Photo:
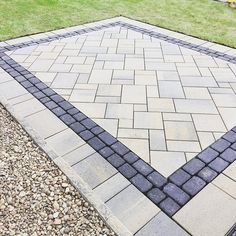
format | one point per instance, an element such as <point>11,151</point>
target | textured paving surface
<point>163,101</point>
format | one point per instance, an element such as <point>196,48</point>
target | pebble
<point>57,222</point>
<point>64,185</point>
<point>56,214</point>
<point>39,200</point>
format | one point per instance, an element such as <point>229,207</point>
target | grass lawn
<point>205,19</point>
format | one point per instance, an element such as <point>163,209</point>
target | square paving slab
<point>142,116</point>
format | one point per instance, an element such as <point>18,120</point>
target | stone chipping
<point>36,198</point>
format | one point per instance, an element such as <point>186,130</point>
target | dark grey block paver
<point>142,167</point>
<point>220,145</point>
<point>207,174</point>
<point>58,111</point>
<point>56,98</point>
<point>73,111</point>
<point>179,177</point>
<point>157,179</point>
<point>208,155</point>
<point>232,231</point>
<point>218,164</point>
<point>88,123</point>
<point>229,155</point>
<point>50,105</point>
<point>33,90</point>
<point>77,127</point>
<point>230,136</point>
<point>193,166</point>
<point>176,193</point>
<point>48,92</point>
<point>26,84</point>
<point>169,206</point>
<point>106,152</point>
<point>28,75</point>
<point>39,95</point>
<point>141,183</point>
<point>79,116</point>
<point>35,80</point>
<point>233,146</point>
<point>120,148</point>
<point>67,119</point>
<point>86,135</point>
<point>156,195</point>
<point>234,129</point>
<point>97,130</point>
<point>107,138</point>
<point>96,143</point>
<point>127,170</point>
<point>194,185</point>
<point>131,157</point>
<point>41,86</point>
<point>20,78</point>
<point>116,160</point>
<point>45,100</point>
<point>65,105</point>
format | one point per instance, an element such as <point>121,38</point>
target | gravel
<point>35,196</point>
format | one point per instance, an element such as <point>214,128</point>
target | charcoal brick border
<point>151,33</point>
<point>232,231</point>
<point>170,194</point>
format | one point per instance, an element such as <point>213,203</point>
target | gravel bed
<point>35,196</point>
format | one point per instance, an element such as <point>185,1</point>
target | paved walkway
<point>164,95</point>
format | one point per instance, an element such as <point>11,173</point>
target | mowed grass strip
<point>206,19</point>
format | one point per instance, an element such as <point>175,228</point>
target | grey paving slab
<point>212,208</point>
<point>166,162</point>
<point>148,120</point>
<point>229,116</point>
<point>92,171</point>
<point>208,122</point>
<point>132,208</point>
<point>161,225</point>
<point>64,80</point>
<point>29,107</point>
<point>171,89</point>
<point>226,184</point>
<point>20,99</point>
<point>198,81</point>
<point>111,187</point>
<point>78,154</point>
<point>180,131</point>
<point>16,90</point>
<point>160,104</point>
<point>230,171</point>
<point>133,94</point>
<point>47,126</point>
<point>4,77</point>
<point>195,106</point>
<point>64,142</point>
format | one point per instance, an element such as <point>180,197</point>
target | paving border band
<point>232,231</point>
<point>170,194</point>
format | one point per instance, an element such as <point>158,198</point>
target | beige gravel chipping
<point>35,196</point>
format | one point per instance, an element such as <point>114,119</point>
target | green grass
<point>205,19</point>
